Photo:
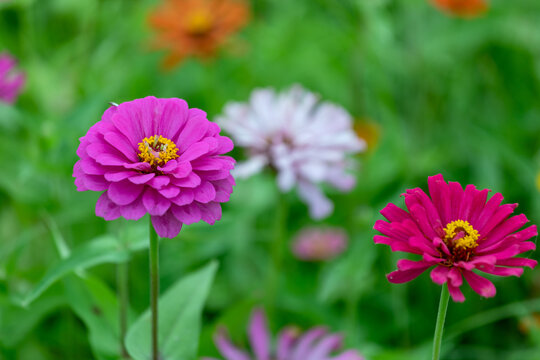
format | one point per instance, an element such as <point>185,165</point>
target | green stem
<point>123,296</point>
<point>441,316</point>
<point>154,288</point>
<point>278,247</point>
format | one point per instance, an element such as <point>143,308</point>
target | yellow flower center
<point>157,150</point>
<point>199,22</point>
<point>461,237</point>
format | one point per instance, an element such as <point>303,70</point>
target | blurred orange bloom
<point>196,27</point>
<point>465,8</point>
<point>369,131</point>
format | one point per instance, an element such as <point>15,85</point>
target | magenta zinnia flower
<point>11,81</point>
<point>305,140</point>
<point>319,243</point>
<point>456,231</point>
<point>156,156</point>
<point>315,344</point>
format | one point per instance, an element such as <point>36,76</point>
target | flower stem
<point>123,296</point>
<point>154,288</point>
<point>441,316</point>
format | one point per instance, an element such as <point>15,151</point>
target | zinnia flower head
<point>156,156</point>
<point>464,8</point>
<point>319,243</point>
<point>11,81</point>
<point>315,344</point>
<point>196,27</point>
<point>304,140</point>
<point>456,231</point>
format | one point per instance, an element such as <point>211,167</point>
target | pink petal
<point>119,175</point>
<point>142,178</point>
<point>518,262</point>
<point>286,339</point>
<point>124,192</point>
<point>185,197</point>
<point>133,211</point>
<point>479,284</point>
<point>154,203</point>
<point>304,344</point>
<point>189,214</point>
<point>194,151</point>
<point>408,270</point>
<point>210,212</point>
<point>439,274</point>
<point>455,293</point>
<point>167,226</point>
<point>205,192</point>
<point>227,349</point>
<point>106,209</point>
<point>259,336</point>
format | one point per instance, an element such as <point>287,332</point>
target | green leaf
<point>104,249</point>
<point>180,311</point>
<point>97,306</point>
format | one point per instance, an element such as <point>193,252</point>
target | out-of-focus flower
<point>369,131</point>
<point>306,141</point>
<point>464,8</point>
<point>156,156</point>
<point>196,27</point>
<point>319,243</point>
<point>11,81</point>
<point>315,344</point>
<point>529,323</point>
<point>457,231</point>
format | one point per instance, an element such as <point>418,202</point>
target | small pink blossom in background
<point>319,243</point>
<point>156,156</point>
<point>11,81</point>
<point>305,140</point>
<point>291,344</point>
<point>456,231</point>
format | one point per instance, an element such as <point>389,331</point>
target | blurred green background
<point>454,96</point>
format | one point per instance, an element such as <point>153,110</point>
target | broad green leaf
<point>97,306</point>
<point>17,322</point>
<point>104,249</point>
<point>180,311</point>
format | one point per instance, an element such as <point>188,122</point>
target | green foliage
<point>179,312</point>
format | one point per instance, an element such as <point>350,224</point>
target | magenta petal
<point>286,339</point>
<point>95,182</point>
<point>168,167</point>
<point>154,203</point>
<point>166,226</point>
<point>518,262</point>
<point>439,274</point>
<point>504,271</point>
<point>133,211</point>
<point>159,181</point>
<point>192,132</point>
<point>122,144</point>
<point>182,169</point>
<point>210,212</point>
<point>194,151</point>
<point>455,293</point>
<point>89,166</point>
<point>185,197</point>
<point>191,181</point>
<point>124,192</point>
<point>189,214</point>
<point>205,192</point>
<point>169,191</point>
<point>142,178</point>
<point>227,349</point>
<point>479,284</point>
<point>119,175</point>
<point>408,270</point>
<point>259,336</point>
<point>106,209</point>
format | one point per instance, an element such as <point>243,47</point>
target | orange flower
<point>464,8</point>
<point>196,27</point>
<point>369,131</point>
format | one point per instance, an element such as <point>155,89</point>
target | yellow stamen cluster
<point>199,22</point>
<point>157,150</point>
<point>468,242</point>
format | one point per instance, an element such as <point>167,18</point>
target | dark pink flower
<point>11,82</point>
<point>456,231</point>
<point>315,344</point>
<point>319,243</point>
<point>156,156</point>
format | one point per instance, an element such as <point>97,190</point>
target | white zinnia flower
<point>306,141</point>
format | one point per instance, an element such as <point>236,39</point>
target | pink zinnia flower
<point>305,140</point>
<point>156,156</point>
<point>315,344</point>
<point>319,243</point>
<point>456,231</point>
<point>11,81</point>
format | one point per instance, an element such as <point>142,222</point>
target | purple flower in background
<point>156,156</point>
<point>319,243</point>
<point>11,81</point>
<point>304,140</point>
<point>315,344</point>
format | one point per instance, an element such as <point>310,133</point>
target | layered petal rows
<point>174,190</point>
<point>315,344</point>
<point>306,141</point>
<point>456,231</point>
